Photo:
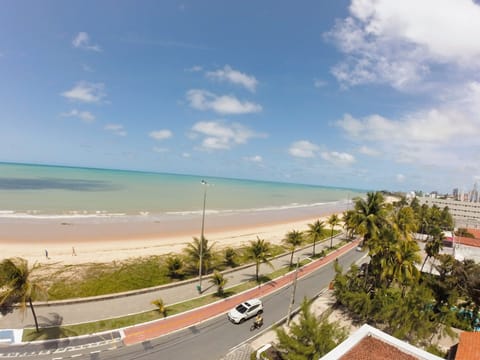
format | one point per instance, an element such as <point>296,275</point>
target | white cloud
<point>434,126</point>
<point>235,77</point>
<point>368,151</point>
<point>82,41</point>
<point>338,158</point>
<point>186,155</point>
<point>86,92</point>
<point>85,116</point>
<point>318,83</point>
<point>159,149</point>
<point>442,136</point>
<point>303,149</point>
<point>400,178</point>
<point>224,104</point>
<point>160,134</point>
<point>195,68</point>
<point>401,42</point>
<point>254,158</point>
<point>87,68</point>
<point>218,135</point>
<point>116,129</point>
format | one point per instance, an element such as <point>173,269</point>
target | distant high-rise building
<point>474,194</point>
<point>455,194</point>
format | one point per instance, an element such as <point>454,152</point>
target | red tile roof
<point>474,232</point>
<point>467,241</point>
<point>370,348</point>
<point>468,346</point>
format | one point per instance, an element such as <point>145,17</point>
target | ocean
<point>46,192</point>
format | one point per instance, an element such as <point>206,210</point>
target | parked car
<point>245,311</point>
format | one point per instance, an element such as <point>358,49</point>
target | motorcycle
<point>256,325</point>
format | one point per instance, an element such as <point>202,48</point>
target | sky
<point>365,94</point>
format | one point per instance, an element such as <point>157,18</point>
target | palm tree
<point>219,281</point>
<point>311,337</point>
<point>193,251</point>
<point>293,239</point>
<point>348,222</point>
<point>175,266</point>
<point>405,269</point>
<point>230,257</point>
<point>333,221</point>
<point>404,222</point>
<point>433,244</point>
<point>315,231</point>
<point>160,304</point>
<point>383,251</point>
<point>370,215</point>
<point>258,251</point>
<point>18,285</point>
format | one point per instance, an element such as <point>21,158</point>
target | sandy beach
<point>76,241</point>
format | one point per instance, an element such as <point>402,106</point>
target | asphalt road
<point>214,338</point>
<point>209,340</point>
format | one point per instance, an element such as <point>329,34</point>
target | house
<point>468,347</point>
<point>369,343</point>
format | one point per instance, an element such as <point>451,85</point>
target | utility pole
<point>199,286</point>
<point>292,300</point>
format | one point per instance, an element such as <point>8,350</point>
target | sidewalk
<point>88,310</point>
<point>139,333</point>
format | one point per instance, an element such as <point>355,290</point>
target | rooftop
<point>468,346</point>
<point>371,343</point>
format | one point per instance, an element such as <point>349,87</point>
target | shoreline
<point>123,238</point>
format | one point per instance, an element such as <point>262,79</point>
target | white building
<point>465,213</point>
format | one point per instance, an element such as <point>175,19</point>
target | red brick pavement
<point>143,332</point>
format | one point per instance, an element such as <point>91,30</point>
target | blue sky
<point>370,94</point>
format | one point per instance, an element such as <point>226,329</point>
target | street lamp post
<point>292,299</point>
<point>199,288</point>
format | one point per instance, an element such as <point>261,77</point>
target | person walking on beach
<point>46,254</point>
<point>74,253</point>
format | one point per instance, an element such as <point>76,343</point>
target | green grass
<point>55,332</point>
<point>101,279</point>
<point>87,280</point>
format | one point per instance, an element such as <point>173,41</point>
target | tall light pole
<point>292,299</point>
<point>199,287</point>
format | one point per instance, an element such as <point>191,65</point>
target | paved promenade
<point>140,333</point>
<point>143,333</point>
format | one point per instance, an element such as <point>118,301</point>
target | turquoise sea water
<point>40,191</point>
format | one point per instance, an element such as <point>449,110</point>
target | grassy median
<point>57,332</point>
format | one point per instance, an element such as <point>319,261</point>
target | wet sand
<point>108,239</point>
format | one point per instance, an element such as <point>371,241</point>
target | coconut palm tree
<point>219,281</point>
<point>333,221</point>
<point>348,222</point>
<point>404,222</point>
<point>18,285</point>
<point>293,239</point>
<point>311,337</point>
<point>259,251</point>
<point>383,251</point>
<point>433,245</point>
<point>175,266</point>
<point>405,267</point>
<point>370,216</point>
<point>230,257</point>
<point>193,251</point>
<point>160,304</point>
<point>315,231</point>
